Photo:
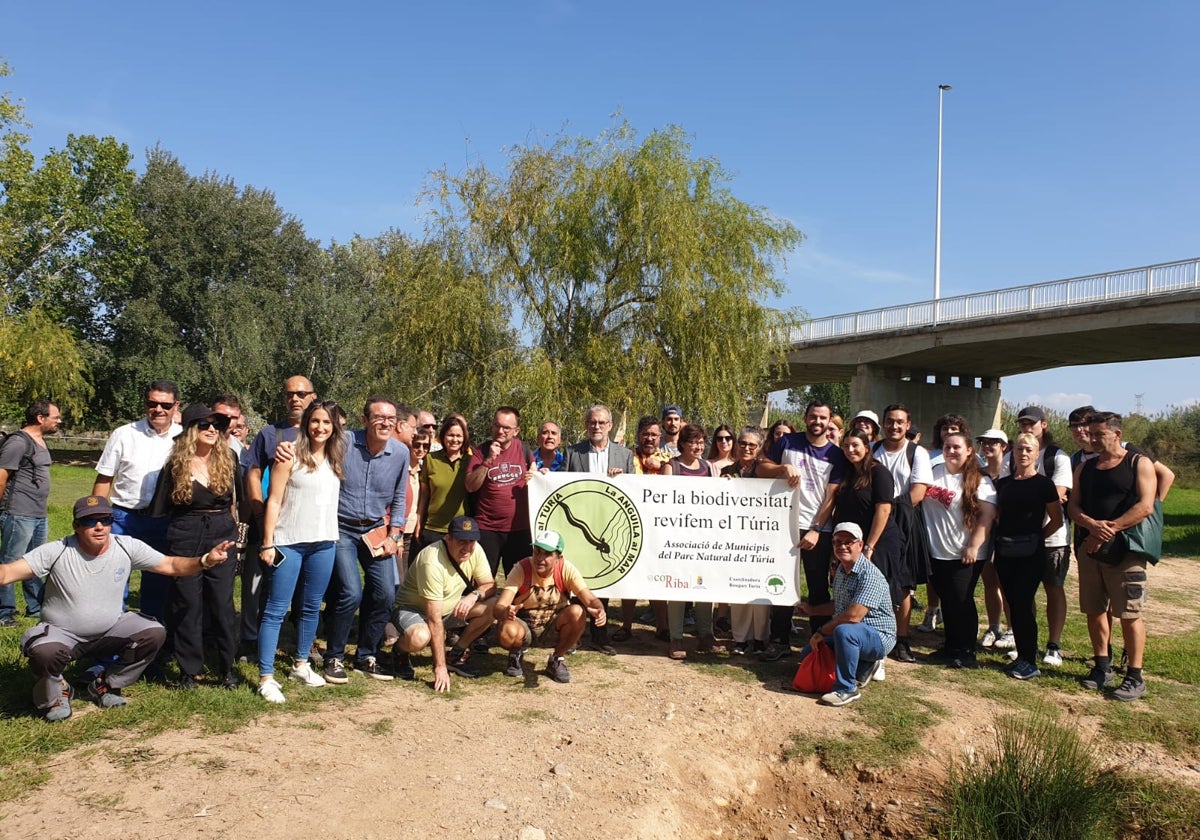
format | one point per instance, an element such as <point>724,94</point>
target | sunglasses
<point>749,444</point>
<point>298,394</point>
<point>724,439</point>
<point>420,446</point>
<point>162,405</point>
<point>205,425</point>
<point>93,521</point>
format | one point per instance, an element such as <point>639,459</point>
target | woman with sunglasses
<point>958,511</point>
<point>300,532</point>
<point>690,463</point>
<point>750,624</point>
<point>721,454</point>
<point>197,489</point>
<point>444,482</point>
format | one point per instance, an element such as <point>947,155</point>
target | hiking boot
<point>370,667</point>
<point>335,671</point>
<point>902,652</point>
<point>1023,669</point>
<point>1099,678</point>
<point>61,710</point>
<point>1006,641</point>
<point>839,698</point>
<point>1130,690</point>
<point>104,696</point>
<point>402,666</point>
<point>458,662</point>
<point>1053,657</point>
<point>556,669</point>
<point>516,664</point>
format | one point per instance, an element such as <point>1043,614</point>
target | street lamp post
<point>937,233</point>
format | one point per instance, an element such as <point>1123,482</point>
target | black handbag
<point>1018,546</point>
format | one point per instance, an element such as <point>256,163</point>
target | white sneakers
<point>1053,657</point>
<point>271,692</point>
<point>1006,641</point>
<point>302,672</point>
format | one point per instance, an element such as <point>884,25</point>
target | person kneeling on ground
<point>83,607</point>
<point>449,579</point>
<point>862,626</point>
<point>536,605</point>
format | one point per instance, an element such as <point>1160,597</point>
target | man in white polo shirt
<point>127,473</point>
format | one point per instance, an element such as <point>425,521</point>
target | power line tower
<point>1137,406</point>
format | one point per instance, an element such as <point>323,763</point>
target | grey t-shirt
<point>28,490</point>
<point>85,594</point>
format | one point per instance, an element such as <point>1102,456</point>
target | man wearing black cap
<point>450,579</point>
<point>82,611</point>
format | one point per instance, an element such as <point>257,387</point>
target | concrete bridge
<point>950,354</point>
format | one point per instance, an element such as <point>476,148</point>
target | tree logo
<point>775,585</point>
<point>600,525</point>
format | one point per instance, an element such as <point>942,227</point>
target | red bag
<point>816,673</point>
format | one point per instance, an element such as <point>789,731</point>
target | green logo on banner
<point>601,528</point>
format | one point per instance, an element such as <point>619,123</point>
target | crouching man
<point>862,626</point>
<point>536,605</point>
<point>82,610</point>
<point>450,579</point>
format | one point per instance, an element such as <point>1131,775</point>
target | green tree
<point>837,394</point>
<point>636,274</point>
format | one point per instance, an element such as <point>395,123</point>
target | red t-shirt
<point>502,503</point>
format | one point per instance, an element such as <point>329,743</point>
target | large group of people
<point>407,524</point>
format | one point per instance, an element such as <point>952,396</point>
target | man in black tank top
<point>1115,491</point>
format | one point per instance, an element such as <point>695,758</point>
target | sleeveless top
<point>309,510</point>
<point>704,469</point>
<point>1105,494</point>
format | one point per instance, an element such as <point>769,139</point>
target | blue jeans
<point>347,591</point>
<point>856,646</point>
<point>306,564</point>
<point>152,530</point>
<point>18,534</point>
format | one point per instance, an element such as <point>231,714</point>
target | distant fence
<point>1149,281</point>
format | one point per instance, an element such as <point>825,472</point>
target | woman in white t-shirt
<point>301,523</point>
<point>958,511</point>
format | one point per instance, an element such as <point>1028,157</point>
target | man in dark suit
<point>600,456</point>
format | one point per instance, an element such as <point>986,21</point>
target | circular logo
<point>600,525</point>
<point>775,585</point>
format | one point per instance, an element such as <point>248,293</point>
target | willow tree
<point>636,274</point>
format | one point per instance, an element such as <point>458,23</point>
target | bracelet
<point>203,558</point>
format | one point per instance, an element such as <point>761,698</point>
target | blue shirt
<point>373,484</point>
<point>554,467</point>
<point>866,586</point>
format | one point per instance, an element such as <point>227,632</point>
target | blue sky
<point>1069,142</point>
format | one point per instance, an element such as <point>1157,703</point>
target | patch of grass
<point>1170,717</point>
<point>1039,782</point>
<point>725,670</point>
<point>894,720</point>
<point>1153,810</point>
<point>1181,522</point>
<point>383,726</point>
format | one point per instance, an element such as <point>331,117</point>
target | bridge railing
<point>1148,281</point>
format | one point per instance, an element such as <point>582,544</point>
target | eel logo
<point>600,525</point>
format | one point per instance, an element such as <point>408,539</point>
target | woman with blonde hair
<point>196,489</point>
<point>300,532</point>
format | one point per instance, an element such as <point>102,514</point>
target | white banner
<point>673,538</point>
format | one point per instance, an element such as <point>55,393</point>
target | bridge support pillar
<point>928,396</point>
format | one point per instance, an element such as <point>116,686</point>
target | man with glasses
<point>82,614</point>
<point>373,489</point>
<point>861,625</point>
<point>496,475</point>
<point>24,500</point>
<point>600,456</point>
<point>127,474</point>
<point>426,422</point>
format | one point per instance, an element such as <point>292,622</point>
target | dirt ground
<point>635,746</point>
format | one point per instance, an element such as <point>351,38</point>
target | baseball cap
<point>993,434</point>
<point>549,541</point>
<point>671,409</point>
<point>1031,412</point>
<point>90,506</point>
<point>464,528</point>
<point>848,528</point>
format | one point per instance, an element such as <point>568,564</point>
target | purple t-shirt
<point>819,467</point>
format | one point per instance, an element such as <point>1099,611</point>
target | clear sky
<point>1069,146</point>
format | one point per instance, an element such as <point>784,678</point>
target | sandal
<point>676,651</point>
<point>622,634</point>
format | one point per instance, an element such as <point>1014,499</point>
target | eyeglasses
<point>991,442</point>
<point>91,522</point>
<point>599,422</point>
<point>164,406</point>
<point>299,395</point>
<point>748,444</point>
<point>723,439</point>
<point>205,425</point>
<point>380,420</point>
